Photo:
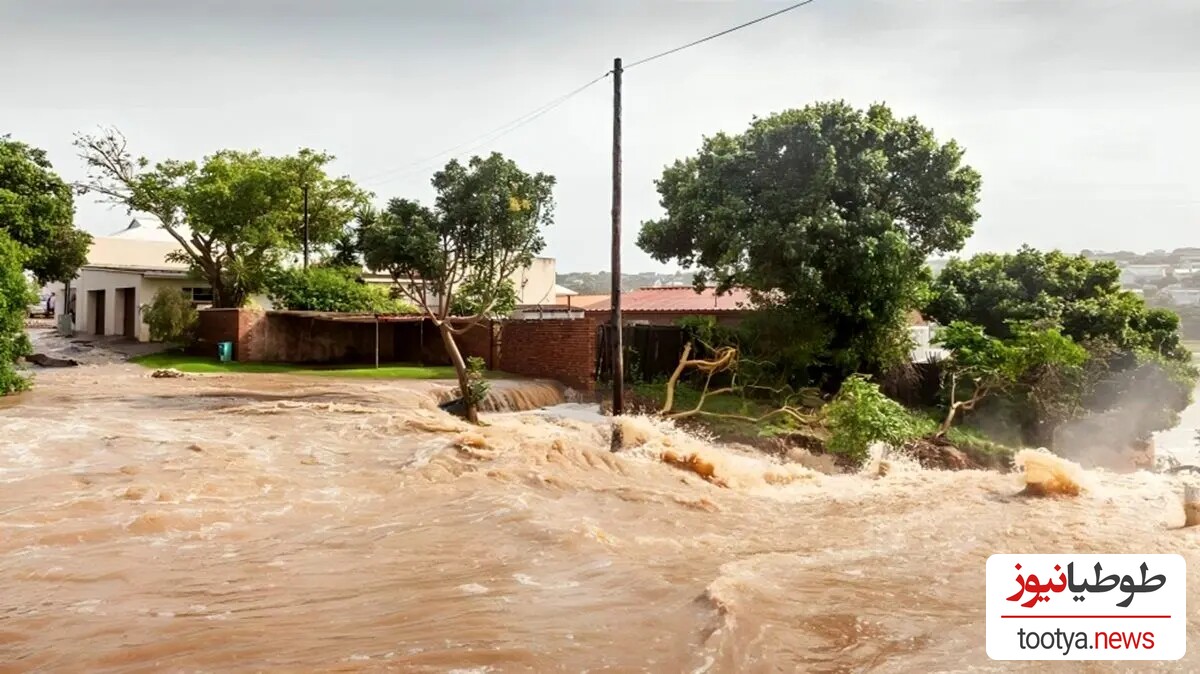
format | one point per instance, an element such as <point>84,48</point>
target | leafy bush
<point>331,289</point>
<point>171,316</point>
<point>15,297</point>
<point>861,415</point>
<point>477,386</point>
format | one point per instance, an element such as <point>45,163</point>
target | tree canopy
<point>37,211</point>
<point>486,223</point>
<point>1136,360</point>
<point>827,212</point>
<point>235,214</point>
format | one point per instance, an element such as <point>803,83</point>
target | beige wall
<point>131,253</point>
<point>535,283</point>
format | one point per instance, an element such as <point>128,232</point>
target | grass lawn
<point>202,364</point>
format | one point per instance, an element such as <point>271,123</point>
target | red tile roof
<point>679,299</point>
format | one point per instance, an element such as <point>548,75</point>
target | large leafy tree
<point>37,211</point>
<point>15,296</point>
<point>486,223</point>
<point>826,212</point>
<point>1136,360</point>
<point>236,215</point>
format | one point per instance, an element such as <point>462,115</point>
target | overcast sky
<point>1081,115</point>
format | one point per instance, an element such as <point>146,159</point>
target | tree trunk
<point>460,368</point>
<point>949,421</point>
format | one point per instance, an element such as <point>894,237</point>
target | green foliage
<point>826,213</point>
<point>1039,367</point>
<point>1135,358</point>
<point>38,211</point>
<point>485,225</point>
<point>330,289</point>
<point>235,214</point>
<point>15,297</point>
<point>343,252</point>
<point>861,415</point>
<point>171,317</point>
<point>477,386</point>
<point>472,299</point>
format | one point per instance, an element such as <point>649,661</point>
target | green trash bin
<point>225,351</point>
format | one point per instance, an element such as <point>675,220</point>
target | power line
<point>717,35</point>
<point>491,136</point>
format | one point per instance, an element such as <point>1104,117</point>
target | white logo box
<point>1071,600</point>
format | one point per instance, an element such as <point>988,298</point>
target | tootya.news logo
<point>1086,607</point>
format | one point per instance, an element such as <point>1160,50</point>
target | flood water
<point>275,523</point>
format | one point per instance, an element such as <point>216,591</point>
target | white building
<point>1182,296</point>
<point>1143,274</point>
<point>122,274</point>
<point>535,284</point>
<point>125,270</point>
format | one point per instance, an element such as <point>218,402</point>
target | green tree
<point>996,290</point>
<point>235,215</point>
<point>1136,358</point>
<point>38,211</point>
<point>485,225</point>
<point>473,298</point>
<point>15,296</point>
<point>861,415</point>
<point>825,212</point>
<point>171,317</point>
<point>1042,364</point>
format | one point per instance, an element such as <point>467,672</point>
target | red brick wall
<point>214,326</point>
<point>562,349</point>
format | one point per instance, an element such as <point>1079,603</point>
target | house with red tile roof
<point>666,305</point>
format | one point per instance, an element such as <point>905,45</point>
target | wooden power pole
<point>304,189</point>
<point>618,350</point>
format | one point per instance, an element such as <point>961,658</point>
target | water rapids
<point>276,523</point>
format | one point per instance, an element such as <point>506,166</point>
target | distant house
<point>666,305</point>
<point>1143,274</point>
<point>1180,296</point>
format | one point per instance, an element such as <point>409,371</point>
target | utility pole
<point>618,355</point>
<point>304,188</point>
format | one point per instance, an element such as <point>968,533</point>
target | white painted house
<point>122,273</point>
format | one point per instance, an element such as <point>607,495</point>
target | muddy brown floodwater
<point>274,523</point>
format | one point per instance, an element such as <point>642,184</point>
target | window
<point>199,295</point>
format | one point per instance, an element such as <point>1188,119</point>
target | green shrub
<point>331,289</point>
<point>171,316</point>
<point>477,386</point>
<point>15,297</point>
<point>861,415</point>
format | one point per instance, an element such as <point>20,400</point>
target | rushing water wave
<point>280,523</point>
